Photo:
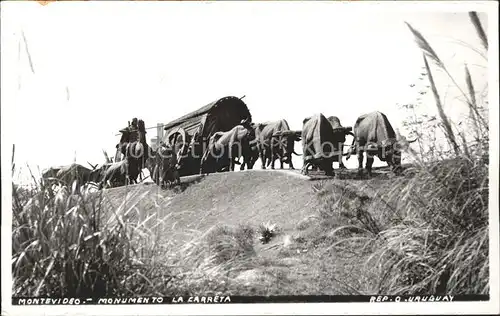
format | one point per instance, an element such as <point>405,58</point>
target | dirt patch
<point>231,198</point>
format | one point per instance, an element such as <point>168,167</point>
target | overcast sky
<point>97,65</point>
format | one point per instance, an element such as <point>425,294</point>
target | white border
<point>492,307</point>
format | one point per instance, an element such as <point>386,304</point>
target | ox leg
<point>262,156</point>
<point>328,167</point>
<point>255,158</point>
<point>272,157</point>
<point>304,168</point>
<point>360,162</point>
<point>291,163</point>
<point>369,164</point>
<point>245,163</point>
<point>177,177</point>
<point>231,164</point>
<point>341,164</point>
<point>163,177</point>
<point>250,163</point>
<point>208,159</point>
<point>281,162</point>
<point>231,160</point>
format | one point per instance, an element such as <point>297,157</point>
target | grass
<point>387,236</point>
<point>140,240</point>
<point>425,234</point>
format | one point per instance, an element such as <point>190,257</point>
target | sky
<point>97,65</point>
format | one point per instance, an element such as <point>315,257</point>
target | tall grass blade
<point>465,146</point>
<point>106,157</point>
<point>473,111</point>
<point>13,156</point>
<point>425,46</point>
<point>446,123</point>
<point>427,49</point>
<point>479,28</point>
<point>28,52</point>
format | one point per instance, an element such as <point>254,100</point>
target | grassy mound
<point>418,235</point>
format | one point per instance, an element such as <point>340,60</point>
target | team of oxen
<point>322,144</point>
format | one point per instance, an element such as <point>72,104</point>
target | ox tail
<point>268,162</point>
<point>351,150</point>
<point>413,140</point>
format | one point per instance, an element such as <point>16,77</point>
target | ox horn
<point>413,140</point>
<point>348,130</point>
<point>293,152</point>
<point>298,135</point>
<point>93,167</point>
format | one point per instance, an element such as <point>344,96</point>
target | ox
<point>50,174</point>
<point>224,148</point>
<point>276,141</point>
<point>335,121</point>
<point>163,166</point>
<point>134,147</point>
<point>374,135</point>
<point>320,143</point>
<point>113,174</point>
<point>75,172</point>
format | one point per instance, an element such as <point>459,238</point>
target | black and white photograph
<point>248,157</point>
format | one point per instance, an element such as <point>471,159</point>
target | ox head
<point>401,144</point>
<point>245,122</point>
<point>340,134</point>
<point>167,152</point>
<point>141,126</point>
<point>251,134</point>
<point>96,174</point>
<point>134,121</point>
<point>286,142</point>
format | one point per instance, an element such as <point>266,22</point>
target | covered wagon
<point>189,134</point>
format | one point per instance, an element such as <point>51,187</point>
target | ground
<point>251,197</point>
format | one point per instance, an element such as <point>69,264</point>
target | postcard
<point>249,157</point>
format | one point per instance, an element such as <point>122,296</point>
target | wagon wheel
<point>178,139</point>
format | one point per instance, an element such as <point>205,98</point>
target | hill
<point>247,199</point>
<point>232,198</point>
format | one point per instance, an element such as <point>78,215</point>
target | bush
<point>226,243</point>
<point>80,244</point>
<point>61,247</point>
<point>441,245</point>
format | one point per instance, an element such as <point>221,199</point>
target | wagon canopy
<point>189,134</point>
<point>220,115</point>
